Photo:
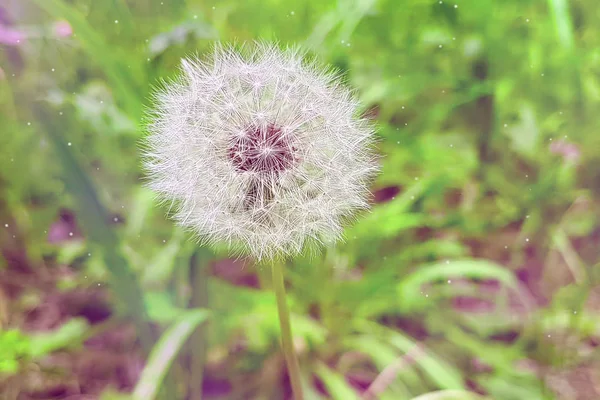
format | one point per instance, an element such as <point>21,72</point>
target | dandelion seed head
<point>260,148</point>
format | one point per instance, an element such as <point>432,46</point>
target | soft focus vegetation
<point>476,275</point>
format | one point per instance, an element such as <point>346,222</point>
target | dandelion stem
<point>286,332</point>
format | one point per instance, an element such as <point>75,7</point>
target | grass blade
<point>95,222</point>
<point>409,289</point>
<point>438,371</point>
<point>335,383</point>
<point>450,395</point>
<point>562,22</point>
<point>164,353</point>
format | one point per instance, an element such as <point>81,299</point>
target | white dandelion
<point>261,149</point>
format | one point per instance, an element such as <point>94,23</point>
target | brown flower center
<point>264,150</point>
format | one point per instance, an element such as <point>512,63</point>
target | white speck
<point>98,284</point>
<point>447,261</point>
<point>505,125</point>
<point>542,74</point>
<point>70,233</point>
<point>416,178</point>
<point>449,281</point>
<point>6,225</point>
<point>195,17</point>
<point>440,46</point>
<point>89,254</point>
<point>292,12</point>
<point>527,20</point>
<point>506,247</point>
<point>60,113</point>
<point>101,101</point>
<point>527,239</point>
<point>147,59</point>
<point>453,38</point>
<point>412,197</point>
<point>398,142</point>
<point>549,336</point>
<point>451,145</point>
<point>214,7</point>
<point>29,123</point>
<point>403,107</point>
<point>52,70</point>
<point>116,21</point>
<point>115,219</point>
<point>527,216</point>
<point>164,241</point>
<point>456,6</point>
<point>68,144</point>
<point>426,295</point>
<point>574,312</point>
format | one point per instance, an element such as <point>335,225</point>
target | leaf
<point>70,332</point>
<point>450,395</point>
<point>143,206</point>
<point>335,383</point>
<point>388,219</point>
<point>162,308</point>
<point>443,374</point>
<point>562,22</point>
<point>525,135</point>
<point>164,352</point>
<point>161,267</point>
<point>409,289</point>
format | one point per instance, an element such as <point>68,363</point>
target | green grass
<point>486,114</point>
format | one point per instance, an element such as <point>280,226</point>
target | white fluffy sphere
<point>260,149</point>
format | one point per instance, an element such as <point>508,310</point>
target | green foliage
<point>479,270</point>
<point>18,348</point>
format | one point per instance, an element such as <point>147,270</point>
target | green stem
<point>286,332</point>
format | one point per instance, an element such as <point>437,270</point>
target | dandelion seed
<point>260,149</point>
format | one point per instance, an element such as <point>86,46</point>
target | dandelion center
<point>264,150</point>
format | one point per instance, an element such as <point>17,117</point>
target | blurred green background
<point>475,276</point>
